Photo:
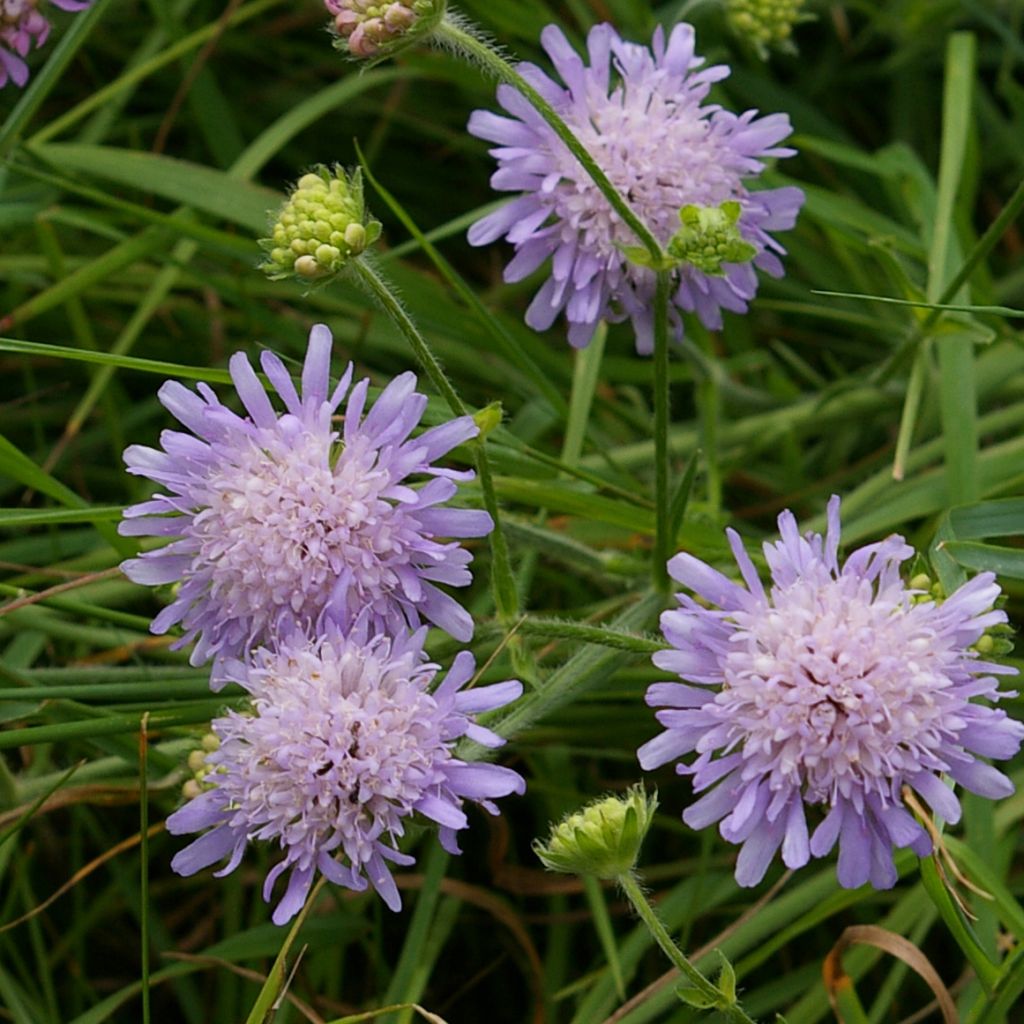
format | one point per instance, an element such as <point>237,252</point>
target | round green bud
<point>322,225</point>
<point>603,839</point>
<point>765,24</point>
<point>710,236</point>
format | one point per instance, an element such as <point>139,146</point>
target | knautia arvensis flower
<point>602,839</point>
<point>281,520</point>
<point>371,28</point>
<point>22,26</point>
<point>322,225</point>
<point>343,742</point>
<point>828,692</point>
<point>766,24</point>
<point>641,114</point>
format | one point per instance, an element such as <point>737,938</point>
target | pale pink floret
<point>23,26</point>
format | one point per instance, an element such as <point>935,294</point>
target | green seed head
<point>710,236</point>
<point>322,225</point>
<point>603,839</point>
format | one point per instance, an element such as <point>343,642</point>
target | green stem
<point>481,51</point>
<point>647,913</point>
<point>660,382</point>
<point>506,598</point>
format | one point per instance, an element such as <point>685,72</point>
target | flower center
<point>834,688</point>
<point>339,752</point>
<point>281,527</point>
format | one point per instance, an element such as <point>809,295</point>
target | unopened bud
<point>322,225</point>
<point>372,29</point>
<point>710,236</point>
<point>603,839</point>
<point>766,24</point>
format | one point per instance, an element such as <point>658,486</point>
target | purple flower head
<point>278,521</point>
<point>649,130</point>
<point>837,687</point>
<point>342,744</point>
<point>21,27</point>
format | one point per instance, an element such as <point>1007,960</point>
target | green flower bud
<point>603,839</point>
<point>322,225</point>
<point>709,237</point>
<point>371,29</point>
<point>766,24</point>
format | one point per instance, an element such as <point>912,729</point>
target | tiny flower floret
<point>641,114</point>
<point>322,225</point>
<point>603,839</point>
<point>278,521</point>
<point>833,689</point>
<point>343,743</point>
<point>368,28</point>
<point>23,27</point>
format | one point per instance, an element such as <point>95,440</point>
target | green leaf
<point>695,998</point>
<point>727,978</point>
<point>219,193</point>
<point>980,557</point>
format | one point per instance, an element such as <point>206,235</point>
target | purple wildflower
<point>279,522</point>
<point>662,149</point>
<point>836,688</point>
<point>21,26</point>
<point>342,744</point>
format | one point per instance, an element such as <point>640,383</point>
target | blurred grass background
<point>139,166</point>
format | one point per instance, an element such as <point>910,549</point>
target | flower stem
<point>468,42</point>
<point>660,382</point>
<point>506,598</point>
<point>631,887</point>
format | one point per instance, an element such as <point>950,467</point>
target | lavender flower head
<point>836,688</point>
<point>343,743</point>
<point>664,149</point>
<point>278,522</point>
<point>21,26</point>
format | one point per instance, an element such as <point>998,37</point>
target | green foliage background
<point>140,164</point>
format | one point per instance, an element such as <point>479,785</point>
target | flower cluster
<point>642,116</point>
<point>835,688</point>
<point>304,559</point>
<point>343,742</point>
<point>22,25</point>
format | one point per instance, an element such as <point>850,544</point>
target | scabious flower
<point>277,521</point>
<point>21,26</point>
<point>370,28</point>
<point>663,148</point>
<point>343,743</point>
<point>834,689</point>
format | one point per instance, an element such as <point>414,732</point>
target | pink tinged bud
<point>359,44</point>
<point>345,22</point>
<point>398,17</point>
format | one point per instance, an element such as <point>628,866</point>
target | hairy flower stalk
<point>22,27</point>
<point>344,742</point>
<point>641,115</point>
<point>603,840</point>
<point>832,689</point>
<point>279,521</point>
